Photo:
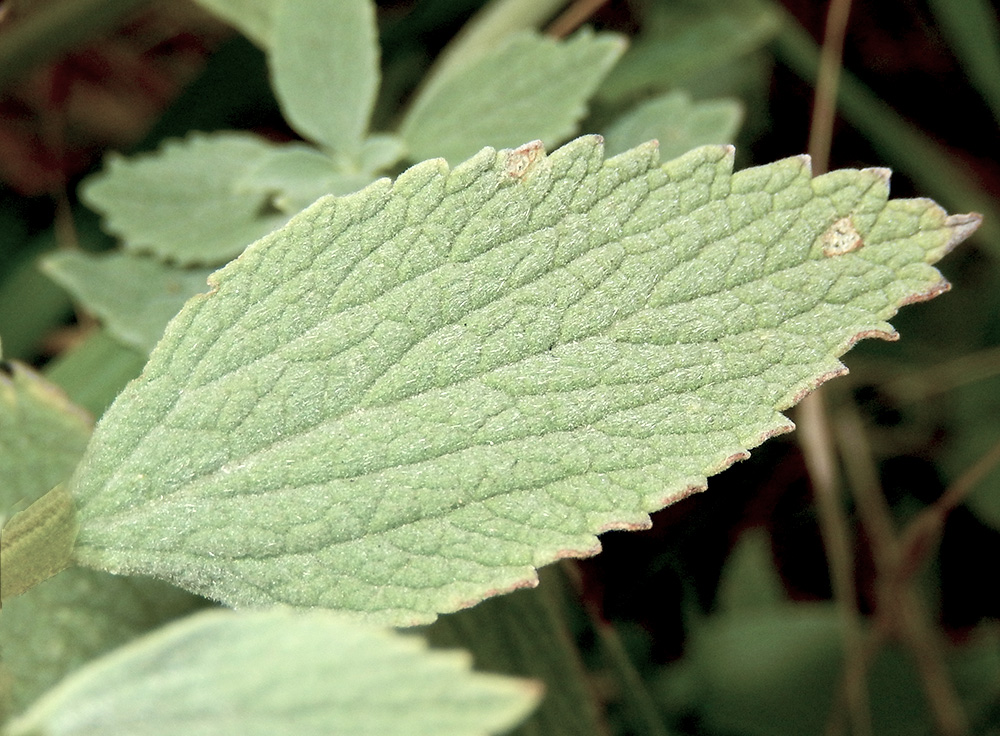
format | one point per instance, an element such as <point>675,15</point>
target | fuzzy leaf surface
<point>184,203</point>
<point>532,87</point>
<point>275,673</point>
<point>324,68</point>
<point>134,296</point>
<point>411,397</point>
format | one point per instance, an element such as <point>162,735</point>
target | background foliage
<point>719,620</point>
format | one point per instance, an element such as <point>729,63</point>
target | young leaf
<point>184,203</point>
<point>677,123</point>
<point>297,175</point>
<point>324,67</point>
<point>409,398</point>
<point>531,87</point>
<point>277,672</point>
<point>134,296</point>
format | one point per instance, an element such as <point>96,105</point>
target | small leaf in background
<point>297,175</point>
<point>324,68</point>
<point>64,622</point>
<point>532,87</point>
<point>183,203</point>
<point>42,436</point>
<point>274,673</point>
<point>253,18</point>
<point>409,398</point>
<point>677,123</point>
<point>94,371</point>
<point>134,296</point>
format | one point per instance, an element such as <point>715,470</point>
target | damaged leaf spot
<point>840,238</point>
<point>522,159</point>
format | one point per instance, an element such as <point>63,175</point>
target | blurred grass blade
<point>973,35</point>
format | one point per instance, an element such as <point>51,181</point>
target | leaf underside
<point>409,398</point>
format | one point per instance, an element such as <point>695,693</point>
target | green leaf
<point>411,397</point>
<point>526,634</point>
<point>677,123</point>
<point>79,614</point>
<point>133,295</point>
<point>184,203</point>
<point>94,371</point>
<point>277,672</point>
<point>42,436</point>
<point>324,67</point>
<point>531,87</point>
<point>297,175</point>
<point>253,18</point>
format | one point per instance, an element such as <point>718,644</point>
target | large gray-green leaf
<point>184,202</point>
<point>677,123</point>
<point>324,66</point>
<point>274,673</point>
<point>409,398</point>
<point>135,296</point>
<point>532,87</point>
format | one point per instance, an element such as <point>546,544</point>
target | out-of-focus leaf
<point>135,296</point>
<point>324,67</point>
<point>531,87</point>
<point>274,673</point>
<point>93,372</point>
<point>677,123</point>
<point>184,203</point>
<point>253,18</point>
<point>685,39</point>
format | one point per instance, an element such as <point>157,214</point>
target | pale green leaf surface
<point>253,18</point>
<point>532,87</point>
<point>42,436</point>
<point>324,68</point>
<point>79,614</point>
<point>677,123</point>
<point>183,202</point>
<point>296,175</point>
<point>278,672</point>
<point>134,296</point>
<point>409,398</point>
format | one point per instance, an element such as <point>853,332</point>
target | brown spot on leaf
<point>522,159</point>
<point>840,238</point>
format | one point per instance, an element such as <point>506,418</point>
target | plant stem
<point>815,439</point>
<point>573,17</point>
